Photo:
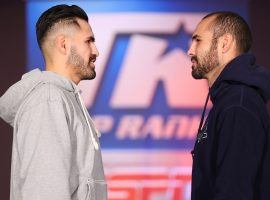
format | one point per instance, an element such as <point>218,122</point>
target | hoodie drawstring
<point>85,113</point>
<point>203,113</point>
<point>201,123</point>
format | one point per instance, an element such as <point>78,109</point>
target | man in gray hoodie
<point>56,152</point>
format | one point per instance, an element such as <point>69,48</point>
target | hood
<point>16,94</point>
<point>243,70</point>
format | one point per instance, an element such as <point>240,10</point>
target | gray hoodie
<point>55,154</point>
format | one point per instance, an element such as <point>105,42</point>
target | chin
<point>89,76</point>
<point>196,75</point>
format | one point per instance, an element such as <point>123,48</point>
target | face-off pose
<point>56,152</point>
<point>231,156</point>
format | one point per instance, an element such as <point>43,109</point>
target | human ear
<point>61,44</point>
<point>226,42</point>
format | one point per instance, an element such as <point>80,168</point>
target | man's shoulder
<point>44,93</point>
<point>239,94</point>
<point>244,97</point>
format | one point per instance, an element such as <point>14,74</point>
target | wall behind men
<point>13,59</point>
<point>259,15</point>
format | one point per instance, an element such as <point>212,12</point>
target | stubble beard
<point>81,68</point>
<point>207,62</point>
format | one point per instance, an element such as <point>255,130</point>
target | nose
<point>190,51</point>
<point>95,50</point>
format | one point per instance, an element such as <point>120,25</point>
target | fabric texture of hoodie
<point>55,153</point>
<point>231,156</point>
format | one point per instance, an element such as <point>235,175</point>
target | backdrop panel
<point>143,100</point>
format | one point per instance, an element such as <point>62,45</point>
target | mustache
<point>93,58</point>
<point>194,58</point>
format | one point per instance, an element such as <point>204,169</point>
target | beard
<point>205,63</point>
<point>81,67</point>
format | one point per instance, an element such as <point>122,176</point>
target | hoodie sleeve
<point>240,149</point>
<point>44,147</point>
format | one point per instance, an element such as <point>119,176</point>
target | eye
<point>197,40</point>
<point>90,40</point>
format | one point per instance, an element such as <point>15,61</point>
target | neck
<point>63,72</point>
<point>212,75</point>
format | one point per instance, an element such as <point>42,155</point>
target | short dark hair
<point>230,22</point>
<point>59,13</point>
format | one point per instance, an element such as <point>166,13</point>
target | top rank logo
<point>144,90</point>
<point>155,51</point>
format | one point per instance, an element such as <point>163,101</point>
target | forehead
<point>85,28</point>
<point>203,28</point>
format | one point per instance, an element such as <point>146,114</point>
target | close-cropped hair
<point>60,14</point>
<point>230,22</point>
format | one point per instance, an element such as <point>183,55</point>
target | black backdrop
<point>13,60</point>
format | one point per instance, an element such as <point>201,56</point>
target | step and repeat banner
<point>144,100</point>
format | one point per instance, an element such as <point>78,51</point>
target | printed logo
<point>203,132</point>
<point>144,90</point>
